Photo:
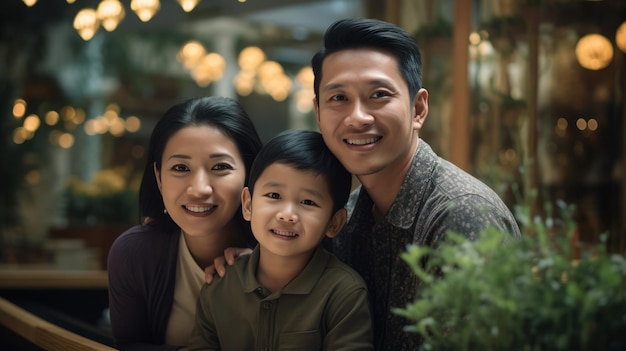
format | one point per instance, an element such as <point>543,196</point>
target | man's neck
<point>384,186</point>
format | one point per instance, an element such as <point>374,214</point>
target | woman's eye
<point>222,167</point>
<point>180,168</point>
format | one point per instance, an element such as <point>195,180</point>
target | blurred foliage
<point>527,294</point>
<point>110,197</point>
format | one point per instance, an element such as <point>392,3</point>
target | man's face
<point>365,112</point>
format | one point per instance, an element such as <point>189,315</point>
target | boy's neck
<point>275,272</point>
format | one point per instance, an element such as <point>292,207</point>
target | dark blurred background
<point>528,96</point>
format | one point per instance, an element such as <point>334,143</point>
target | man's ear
<point>157,175</point>
<point>336,223</point>
<point>420,109</point>
<point>316,107</point>
<point>246,204</point>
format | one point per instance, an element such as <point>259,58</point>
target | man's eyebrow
<point>332,86</point>
<point>372,82</point>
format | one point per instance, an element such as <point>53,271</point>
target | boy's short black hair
<point>305,150</point>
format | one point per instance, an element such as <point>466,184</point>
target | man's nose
<point>359,116</point>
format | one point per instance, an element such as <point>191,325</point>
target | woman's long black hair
<point>223,113</point>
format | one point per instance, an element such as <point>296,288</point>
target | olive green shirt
<point>324,308</point>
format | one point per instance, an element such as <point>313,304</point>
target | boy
<point>289,293</point>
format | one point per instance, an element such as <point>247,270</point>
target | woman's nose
<point>200,185</point>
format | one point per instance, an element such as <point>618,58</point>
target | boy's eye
<point>273,195</point>
<point>309,202</point>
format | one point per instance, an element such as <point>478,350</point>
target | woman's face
<point>201,179</point>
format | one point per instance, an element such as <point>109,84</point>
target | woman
<point>199,156</point>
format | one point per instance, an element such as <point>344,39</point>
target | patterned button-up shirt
<point>435,197</point>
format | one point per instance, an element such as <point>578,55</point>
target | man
<point>370,106</point>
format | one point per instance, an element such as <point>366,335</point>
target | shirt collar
<point>411,191</point>
<point>301,284</point>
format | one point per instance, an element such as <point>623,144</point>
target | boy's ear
<point>246,204</point>
<point>336,223</point>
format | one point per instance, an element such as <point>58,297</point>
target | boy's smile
<point>289,211</point>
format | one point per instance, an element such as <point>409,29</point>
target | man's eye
<point>380,94</point>
<point>338,98</point>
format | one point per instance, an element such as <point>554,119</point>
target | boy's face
<point>365,112</point>
<point>290,211</point>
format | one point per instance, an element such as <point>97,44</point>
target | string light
<point>86,23</point>
<point>145,9</point>
<point>594,51</point>
<point>620,37</point>
<point>188,5</point>
<point>110,14</point>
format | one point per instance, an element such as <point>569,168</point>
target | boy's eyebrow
<point>275,184</point>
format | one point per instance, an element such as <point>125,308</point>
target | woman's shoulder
<point>143,239</point>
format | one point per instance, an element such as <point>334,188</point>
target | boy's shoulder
<point>235,276</point>
<point>337,270</point>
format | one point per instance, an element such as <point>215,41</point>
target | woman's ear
<point>337,222</point>
<point>157,175</point>
<point>246,204</point>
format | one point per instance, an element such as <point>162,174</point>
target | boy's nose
<point>287,214</point>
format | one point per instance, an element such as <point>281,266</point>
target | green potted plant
<point>527,294</point>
